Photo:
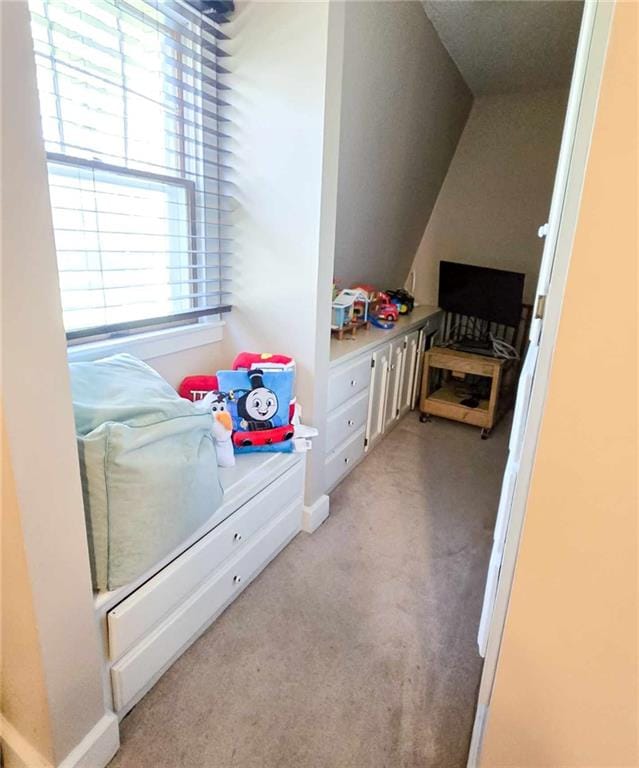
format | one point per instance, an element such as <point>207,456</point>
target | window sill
<point>152,344</point>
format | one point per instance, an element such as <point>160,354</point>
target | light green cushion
<point>148,464</point>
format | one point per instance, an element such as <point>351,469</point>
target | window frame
<point>112,330</point>
<point>197,314</point>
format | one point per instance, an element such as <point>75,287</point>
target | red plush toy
<point>263,360</point>
<point>196,387</point>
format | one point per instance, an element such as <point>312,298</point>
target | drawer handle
<point>237,537</point>
<point>350,422</point>
<point>353,382</point>
<point>346,460</point>
<point>237,579</point>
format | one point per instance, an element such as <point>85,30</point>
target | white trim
<point>315,514</point>
<point>95,750</point>
<point>98,747</point>
<point>580,119</point>
<point>151,344</point>
<point>25,755</point>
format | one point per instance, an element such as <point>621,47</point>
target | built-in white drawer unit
<point>136,616</point>
<point>346,420</point>
<point>344,458</point>
<point>137,670</point>
<point>348,380</point>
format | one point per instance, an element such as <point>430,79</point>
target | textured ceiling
<point>504,46</point>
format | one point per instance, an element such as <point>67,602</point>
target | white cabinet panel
<point>419,367</point>
<point>346,381</point>
<point>409,372</point>
<point>377,395</point>
<point>396,357</point>
<point>346,420</point>
<point>133,674</point>
<point>341,461</point>
<point>136,616</point>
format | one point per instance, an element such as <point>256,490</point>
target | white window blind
<point>132,98</point>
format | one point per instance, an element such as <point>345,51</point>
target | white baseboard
<point>98,747</point>
<point>315,514</point>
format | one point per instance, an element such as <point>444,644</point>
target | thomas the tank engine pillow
<point>258,401</point>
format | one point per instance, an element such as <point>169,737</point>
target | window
<point>135,128</point>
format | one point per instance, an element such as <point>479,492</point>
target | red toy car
<point>387,311</point>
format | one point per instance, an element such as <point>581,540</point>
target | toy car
<point>403,299</point>
<point>387,311</point>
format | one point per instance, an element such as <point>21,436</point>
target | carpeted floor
<point>356,647</point>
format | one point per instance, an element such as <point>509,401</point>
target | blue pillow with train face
<point>258,402</point>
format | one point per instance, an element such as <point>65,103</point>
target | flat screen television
<point>488,294</point>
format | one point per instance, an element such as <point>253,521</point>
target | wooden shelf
<point>446,402</point>
<point>447,394</point>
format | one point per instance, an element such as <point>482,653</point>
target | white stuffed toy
<point>222,427</point>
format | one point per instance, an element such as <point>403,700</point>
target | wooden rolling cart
<point>443,393</point>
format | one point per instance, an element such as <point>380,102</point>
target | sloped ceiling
<point>506,46</point>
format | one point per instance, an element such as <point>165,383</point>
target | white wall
<point>497,190</point>
<point>206,359</point>
<point>404,105</point>
<point>285,170</point>
<point>52,636</point>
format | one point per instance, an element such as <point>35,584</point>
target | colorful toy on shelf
<point>349,311</point>
<point>383,324</point>
<point>383,309</point>
<point>403,299</point>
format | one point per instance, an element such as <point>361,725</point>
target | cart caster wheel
<point>424,417</point>
<point>485,433</point>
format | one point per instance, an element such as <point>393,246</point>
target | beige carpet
<point>356,647</point>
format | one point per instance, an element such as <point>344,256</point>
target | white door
<point>562,207</point>
<point>562,222</point>
<point>522,403</point>
<point>410,372</point>
<point>377,396</point>
<point>396,358</point>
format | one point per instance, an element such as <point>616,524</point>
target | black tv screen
<point>488,294</point>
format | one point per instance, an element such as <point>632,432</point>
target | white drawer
<point>344,458</point>
<point>348,380</point>
<point>135,672</point>
<point>346,420</point>
<point>138,614</point>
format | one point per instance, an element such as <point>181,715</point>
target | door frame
<point>562,224</point>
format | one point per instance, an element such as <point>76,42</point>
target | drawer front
<point>346,382</point>
<point>138,614</point>
<point>341,461</point>
<point>133,674</point>
<point>346,420</point>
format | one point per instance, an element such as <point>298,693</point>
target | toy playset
<point>364,302</point>
<point>349,311</point>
